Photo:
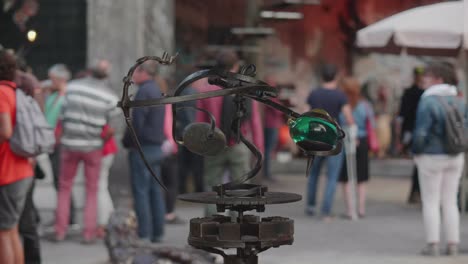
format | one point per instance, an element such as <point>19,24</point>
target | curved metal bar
<point>252,173</point>
<point>276,106</point>
<point>124,104</point>
<point>231,83</point>
<point>244,90</point>
<point>140,152</point>
<point>210,115</point>
<point>243,81</point>
<point>127,80</point>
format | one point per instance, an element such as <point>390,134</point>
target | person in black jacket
<point>408,107</point>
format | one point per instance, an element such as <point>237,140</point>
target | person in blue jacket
<point>439,171</point>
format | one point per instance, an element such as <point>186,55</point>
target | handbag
<point>127,140</point>
<point>371,135</point>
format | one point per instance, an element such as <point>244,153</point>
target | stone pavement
<point>392,231</point>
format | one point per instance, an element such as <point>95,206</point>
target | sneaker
<point>346,217</point>
<point>327,218</point>
<point>452,250</point>
<point>310,211</point>
<point>175,221</point>
<point>100,232</point>
<point>431,250</point>
<point>88,240</point>
<point>74,228</point>
<point>158,239</point>
<point>414,198</point>
<point>54,237</point>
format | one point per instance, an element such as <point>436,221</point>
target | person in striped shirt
<point>87,108</point>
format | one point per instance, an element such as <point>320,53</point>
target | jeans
<point>68,167</point>
<point>147,194</point>
<point>271,140</point>
<point>334,164</point>
<point>55,162</point>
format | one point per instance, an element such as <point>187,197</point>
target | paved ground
<point>391,233</point>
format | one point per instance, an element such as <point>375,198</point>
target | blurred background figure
<point>439,168</point>
<point>235,159</point>
<point>189,162</point>
<point>29,220</point>
<point>169,165</point>
<point>363,114</point>
<point>56,87</point>
<point>407,115</point>
<point>328,97</point>
<point>149,127</point>
<point>16,173</point>
<point>87,109</point>
<point>273,120</point>
<point>383,122</point>
<point>105,207</point>
<point>170,169</point>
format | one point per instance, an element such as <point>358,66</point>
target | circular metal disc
<point>267,198</point>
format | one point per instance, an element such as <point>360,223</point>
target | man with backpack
<point>15,171</point>
<point>439,142</point>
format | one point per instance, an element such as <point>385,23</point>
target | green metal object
<point>314,130</point>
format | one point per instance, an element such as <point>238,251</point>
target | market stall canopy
<point>436,29</point>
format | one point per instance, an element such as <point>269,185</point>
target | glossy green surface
<point>307,128</point>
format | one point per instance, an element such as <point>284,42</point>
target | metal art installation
<point>315,133</point>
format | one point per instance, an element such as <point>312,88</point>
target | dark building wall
<point>61,29</point>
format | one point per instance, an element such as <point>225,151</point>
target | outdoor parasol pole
<point>350,152</point>
<point>464,61</point>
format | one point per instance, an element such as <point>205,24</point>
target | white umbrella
<point>437,26</point>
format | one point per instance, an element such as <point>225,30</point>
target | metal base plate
<point>214,198</point>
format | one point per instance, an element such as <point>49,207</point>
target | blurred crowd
<point>83,112</point>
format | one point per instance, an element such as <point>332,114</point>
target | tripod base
<point>248,234</point>
<point>234,259</point>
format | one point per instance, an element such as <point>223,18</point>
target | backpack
<point>456,133</point>
<point>32,135</point>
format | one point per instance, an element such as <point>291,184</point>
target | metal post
<point>464,57</point>
<point>464,181</point>
<point>235,259</point>
<point>350,152</point>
